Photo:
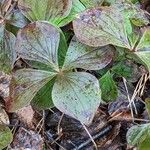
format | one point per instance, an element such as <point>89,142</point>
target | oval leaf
<point>39,41</point>
<point>81,56</point>
<point>108,87</point>
<point>5,136</point>
<point>77,94</point>
<point>101,26</point>
<point>49,10</point>
<point>137,132</point>
<point>24,86</point>
<point>7,52</point>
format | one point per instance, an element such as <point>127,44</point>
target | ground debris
<point>27,139</point>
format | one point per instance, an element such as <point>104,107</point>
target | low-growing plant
<point>56,74</point>
<point>74,93</point>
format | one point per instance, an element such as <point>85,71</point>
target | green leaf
<point>144,56</point>
<point>49,10</point>
<point>62,49</point>
<point>7,52</point>
<point>111,2</point>
<point>137,133</point>
<point>77,94</point>
<point>5,136</point>
<point>101,26</point>
<point>43,98</point>
<point>110,25</point>
<point>92,3</point>
<point>122,69</point>
<point>82,56</point>
<point>142,50</point>
<point>24,86</point>
<point>145,144</point>
<point>39,41</point>
<point>108,87</point>
<point>77,7</point>
<point>131,12</point>
<point>144,43</point>
<point>131,15</point>
<point>147,104</point>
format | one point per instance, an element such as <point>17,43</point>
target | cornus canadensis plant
<point>58,74</point>
<point>77,94</point>
<point>118,25</point>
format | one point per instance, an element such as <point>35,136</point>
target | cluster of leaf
<point>139,135</point>
<point>53,77</point>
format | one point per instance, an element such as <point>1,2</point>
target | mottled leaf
<point>77,94</point>
<point>2,26</point>
<point>49,10</point>
<point>24,86</point>
<point>132,12</point>
<point>110,25</point>
<point>137,132</point>
<point>17,19</point>
<point>101,26</point>
<point>108,87</point>
<point>39,41</point>
<point>7,52</point>
<point>131,15</point>
<point>5,136</point>
<point>92,3</point>
<point>77,7</point>
<point>81,56</point>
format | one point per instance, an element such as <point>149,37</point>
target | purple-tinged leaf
<point>7,52</point>
<point>49,10</point>
<point>17,19</point>
<point>82,56</point>
<point>24,85</point>
<point>77,94</point>
<point>39,41</point>
<point>101,26</point>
